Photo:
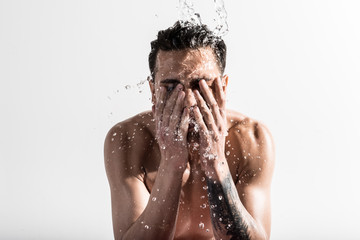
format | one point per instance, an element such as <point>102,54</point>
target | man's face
<point>186,67</point>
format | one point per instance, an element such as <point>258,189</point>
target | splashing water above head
<point>187,15</point>
<point>222,27</point>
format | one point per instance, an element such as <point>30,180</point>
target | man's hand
<point>211,118</point>
<point>172,122</point>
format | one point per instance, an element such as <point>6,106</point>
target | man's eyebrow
<point>170,81</point>
<point>178,81</point>
<point>198,79</point>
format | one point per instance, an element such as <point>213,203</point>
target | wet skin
<point>190,168</point>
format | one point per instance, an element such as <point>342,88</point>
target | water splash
<point>201,225</point>
<point>222,27</point>
<point>188,15</point>
<point>138,85</point>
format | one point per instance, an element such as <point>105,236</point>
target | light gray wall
<point>293,65</point>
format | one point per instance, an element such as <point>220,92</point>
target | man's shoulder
<point>127,144</point>
<point>137,125</point>
<point>128,138</point>
<point>253,137</point>
<point>240,121</point>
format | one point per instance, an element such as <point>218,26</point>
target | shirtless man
<point>189,169</point>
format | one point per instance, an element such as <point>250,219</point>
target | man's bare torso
<point>137,139</point>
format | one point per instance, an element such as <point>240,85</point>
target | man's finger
<point>219,92</point>
<point>210,100</point>
<point>170,104</point>
<point>184,124</point>
<point>205,112</point>
<point>160,104</point>
<point>175,117</point>
<point>199,120</point>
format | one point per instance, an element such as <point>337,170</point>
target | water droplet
<point>202,179</point>
<point>220,197</point>
<point>153,199</point>
<point>201,225</point>
<point>127,87</point>
<point>227,153</point>
<point>220,219</point>
<point>207,230</point>
<point>147,227</point>
<point>114,134</point>
<point>205,187</point>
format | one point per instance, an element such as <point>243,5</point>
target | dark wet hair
<point>187,36</point>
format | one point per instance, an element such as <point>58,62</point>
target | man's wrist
<point>172,164</point>
<point>218,169</point>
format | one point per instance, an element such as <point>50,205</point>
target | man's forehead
<point>193,63</point>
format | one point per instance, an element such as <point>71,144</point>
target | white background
<point>293,65</point>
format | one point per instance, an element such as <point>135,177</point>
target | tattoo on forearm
<point>225,215</point>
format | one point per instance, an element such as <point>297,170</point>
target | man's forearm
<point>229,217</point>
<point>158,220</point>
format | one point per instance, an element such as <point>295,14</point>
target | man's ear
<point>224,81</point>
